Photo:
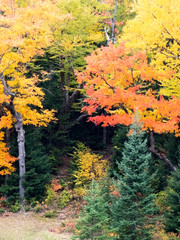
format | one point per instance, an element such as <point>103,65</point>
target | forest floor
<point>31,226</point>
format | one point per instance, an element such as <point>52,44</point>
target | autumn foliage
<point>88,166</point>
<point>156,30</point>
<point>25,29</point>
<point>120,82</point>
<point>6,160</point>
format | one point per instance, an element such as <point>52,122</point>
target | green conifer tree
<point>133,209</point>
<point>38,166</point>
<point>94,219</point>
<point>172,216</point>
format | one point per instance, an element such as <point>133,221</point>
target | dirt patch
<point>30,226</point>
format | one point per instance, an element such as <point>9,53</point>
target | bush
<point>16,207</point>
<point>52,196</point>
<point>161,201</point>
<point>37,208</point>
<point>65,197</point>
<point>87,166</point>
<point>1,211</point>
<point>79,192</point>
<point>50,214</point>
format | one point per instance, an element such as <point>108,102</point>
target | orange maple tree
<point>120,82</point>
<point>6,160</point>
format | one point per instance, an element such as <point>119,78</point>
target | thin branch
<point>174,56</point>
<point>108,84</point>
<point>158,154</point>
<point>7,92</point>
<point>123,108</point>
<point>167,31</point>
<point>78,120</point>
<point>107,36</point>
<point>67,106</point>
<point>113,20</point>
<point>171,35</point>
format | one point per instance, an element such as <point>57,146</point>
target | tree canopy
<point>156,30</point>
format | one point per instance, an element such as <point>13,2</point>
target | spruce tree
<point>93,223</point>
<point>133,209</point>
<point>172,216</point>
<point>38,166</point>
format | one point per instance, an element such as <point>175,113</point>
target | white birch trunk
<point>21,153</point>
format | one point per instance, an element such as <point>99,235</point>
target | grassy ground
<point>30,226</point>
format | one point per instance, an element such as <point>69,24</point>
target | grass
<point>29,226</point>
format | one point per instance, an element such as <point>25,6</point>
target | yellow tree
<point>75,38</point>
<point>156,28</point>
<point>26,28</point>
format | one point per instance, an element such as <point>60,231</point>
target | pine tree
<point>38,166</point>
<point>133,208</point>
<point>94,219</point>
<point>172,216</point>
<point>38,169</point>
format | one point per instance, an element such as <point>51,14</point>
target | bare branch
<point>171,35</point>
<point>7,92</point>
<point>158,154</point>
<point>107,36</point>
<point>108,84</point>
<point>168,31</point>
<point>67,106</point>
<point>172,55</point>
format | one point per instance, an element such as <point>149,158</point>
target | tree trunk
<point>111,38</point>
<point>21,145</point>
<point>7,139</point>
<point>21,153</point>
<point>104,136</point>
<point>20,134</point>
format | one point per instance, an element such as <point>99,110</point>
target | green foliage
<point>55,136</point>
<point>50,214</point>
<point>133,209</point>
<point>120,136</point>
<point>172,216</point>
<point>11,188</point>
<point>64,199</point>
<point>161,201</point>
<point>16,207</point>
<point>94,219</point>
<point>27,208</point>
<point>89,133</point>
<point>38,167</point>
<point>2,211</point>
<point>79,35</point>
<point>52,196</point>
<point>37,208</point>
<point>167,144</point>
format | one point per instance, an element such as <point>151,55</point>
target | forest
<point>90,118</point>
